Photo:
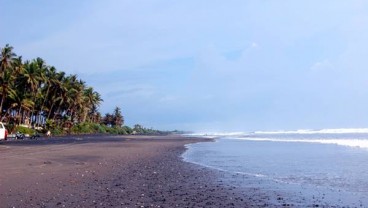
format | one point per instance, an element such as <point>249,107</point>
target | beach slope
<point>109,171</point>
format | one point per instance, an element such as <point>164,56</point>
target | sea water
<point>329,166</point>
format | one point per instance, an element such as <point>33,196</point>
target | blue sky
<point>215,65</point>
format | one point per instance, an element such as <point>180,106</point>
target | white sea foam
<point>280,132</point>
<point>278,136</point>
<point>321,131</point>
<point>258,175</point>
<point>360,143</point>
<point>217,134</point>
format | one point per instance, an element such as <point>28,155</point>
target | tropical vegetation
<point>35,94</point>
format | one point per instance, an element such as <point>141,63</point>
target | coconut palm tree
<point>32,78</point>
<point>118,119</point>
<point>17,65</point>
<point>6,58</point>
<point>95,104</point>
<point>50,79</point>
<point>92,100</point>
<point>40,92</point>
<point>21,103</point>
<point>6,88</point>
<point>58,95</point>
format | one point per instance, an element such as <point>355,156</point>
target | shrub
<point>50,124</point>
<point>82,128</point>
<point>127,129</point>
<point>57,132</point>
<point>25,130</point>
<point>98,128</point>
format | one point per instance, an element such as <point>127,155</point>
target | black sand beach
<point>120,171</point>
<point>134,171</point>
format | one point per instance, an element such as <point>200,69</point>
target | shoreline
<point>125,171</point>
<point>237,168</point>
<point>117,171</point>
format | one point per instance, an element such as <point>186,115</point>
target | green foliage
<point>108,119</point>
<point>111,130</point>
<point>87,128</point>
<point>127,129</point>
<point>93,128</point>
<point>57,132</point>
<point>82,128</point>
<point>98,128</point>
<point>114,120</point>
<point>25,130</point>
<point>139,129</point>
<point>118,117</point>
<point>32,91</point>
<point>50,124</point>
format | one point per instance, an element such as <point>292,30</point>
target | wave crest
<point>321,131</point>
<point>360,143</point>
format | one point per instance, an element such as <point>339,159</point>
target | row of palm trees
<point>33,92</point>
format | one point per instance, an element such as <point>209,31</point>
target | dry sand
<point>110,171</point>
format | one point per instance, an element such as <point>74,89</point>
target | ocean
<point>328,166</point>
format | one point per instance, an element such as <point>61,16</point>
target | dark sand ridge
<point>108,171</point>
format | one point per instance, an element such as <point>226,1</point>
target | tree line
<point>39,95</point>
<point>33,92</point>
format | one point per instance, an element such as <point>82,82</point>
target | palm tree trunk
<point>57,111</point>
<point>44,100</point>
<point>20,115</point>
<point>49,114</point>
<point>1,106</point>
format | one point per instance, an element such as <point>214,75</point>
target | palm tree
<point>92,100</point>
<point>6,88</point>
<point>18,65</point>
<point>50,80</point>
<point>58,93</point>
<point>95,104</point>
<point>43,79</point>
<point>6,58</point>
<point>108,119</point>
<point>74,96</point>
<point>118,119</point>
<point>34,89</point>
<point>20,101</point>
<point>32,78</point>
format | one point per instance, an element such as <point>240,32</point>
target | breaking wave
<point>360,143</point>
<point>321,131</point>
<point>282,132</point>
<point>218,134</point>
<point>349,137</point>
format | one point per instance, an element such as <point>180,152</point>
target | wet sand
<point>111,171</point>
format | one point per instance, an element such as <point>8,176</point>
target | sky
<point>206,65</point>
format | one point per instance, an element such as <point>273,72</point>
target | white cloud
<point>254,45</point>
<point>322,65</point>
